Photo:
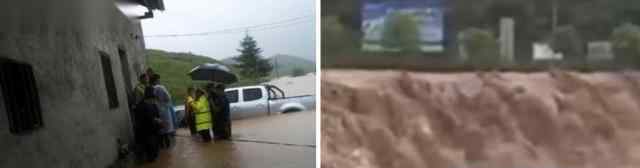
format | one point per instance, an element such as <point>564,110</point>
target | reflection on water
<point>274,141</point>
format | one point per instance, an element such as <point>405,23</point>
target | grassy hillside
<point>173,68</point>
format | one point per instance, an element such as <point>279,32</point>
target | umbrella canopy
<point>213,72</point>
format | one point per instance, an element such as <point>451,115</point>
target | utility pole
<point>554,15</point>
<point>507,27</point>
<point>275,65</point>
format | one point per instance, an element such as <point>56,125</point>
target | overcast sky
<point>195,16</point>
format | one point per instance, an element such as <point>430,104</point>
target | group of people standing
<point>155,123</point>
<point>207,110</point>
<point>154,116</point>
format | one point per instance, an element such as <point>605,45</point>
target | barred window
<point>20,97</point>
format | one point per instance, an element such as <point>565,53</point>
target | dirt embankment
<point>480,120</point>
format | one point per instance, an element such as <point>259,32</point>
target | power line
<point>229,31</point>
<point>260,27</point>
<point>279,26</point>
<point>233,30</point>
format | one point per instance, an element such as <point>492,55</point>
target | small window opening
<point>19,93</point>
<point>126,72</point>
<point>109,82</point>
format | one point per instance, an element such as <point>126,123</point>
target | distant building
<point>66,68</point>
<point>599,50</point>
<point>543,52</point>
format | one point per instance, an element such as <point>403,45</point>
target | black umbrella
<point>213,72</point>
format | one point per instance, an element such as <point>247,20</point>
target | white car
<point>180,115</point>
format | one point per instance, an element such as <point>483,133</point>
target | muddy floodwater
<point>555,119</point>
<point>284,140</point>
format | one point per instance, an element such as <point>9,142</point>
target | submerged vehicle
<point>251,101</point>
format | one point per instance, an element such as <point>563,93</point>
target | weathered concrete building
<point>85,55</point>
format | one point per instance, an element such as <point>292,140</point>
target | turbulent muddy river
<point>552,119</point>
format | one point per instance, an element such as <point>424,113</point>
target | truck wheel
<point>292,110</point>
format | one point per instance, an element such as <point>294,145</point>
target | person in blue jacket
<point>165,108</point>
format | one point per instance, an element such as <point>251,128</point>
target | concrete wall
<point>62,39</point>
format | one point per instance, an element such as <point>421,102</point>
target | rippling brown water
<point>493,120</point>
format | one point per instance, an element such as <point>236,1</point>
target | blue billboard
<point>427,14</point>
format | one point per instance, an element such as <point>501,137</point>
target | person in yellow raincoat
<point>202,113</point>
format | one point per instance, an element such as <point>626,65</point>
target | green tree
<point>481,46</point>
<point>297,72</point>
<point>626,44</point>
<point>401,32</point>
<point>567,41</point>
<point>336,38</point>
<point>250,62</point>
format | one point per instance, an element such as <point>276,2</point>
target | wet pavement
<point>283,140</point>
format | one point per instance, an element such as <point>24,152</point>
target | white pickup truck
<point>260,100</point>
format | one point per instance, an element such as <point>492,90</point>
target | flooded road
<point>285,140</point>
